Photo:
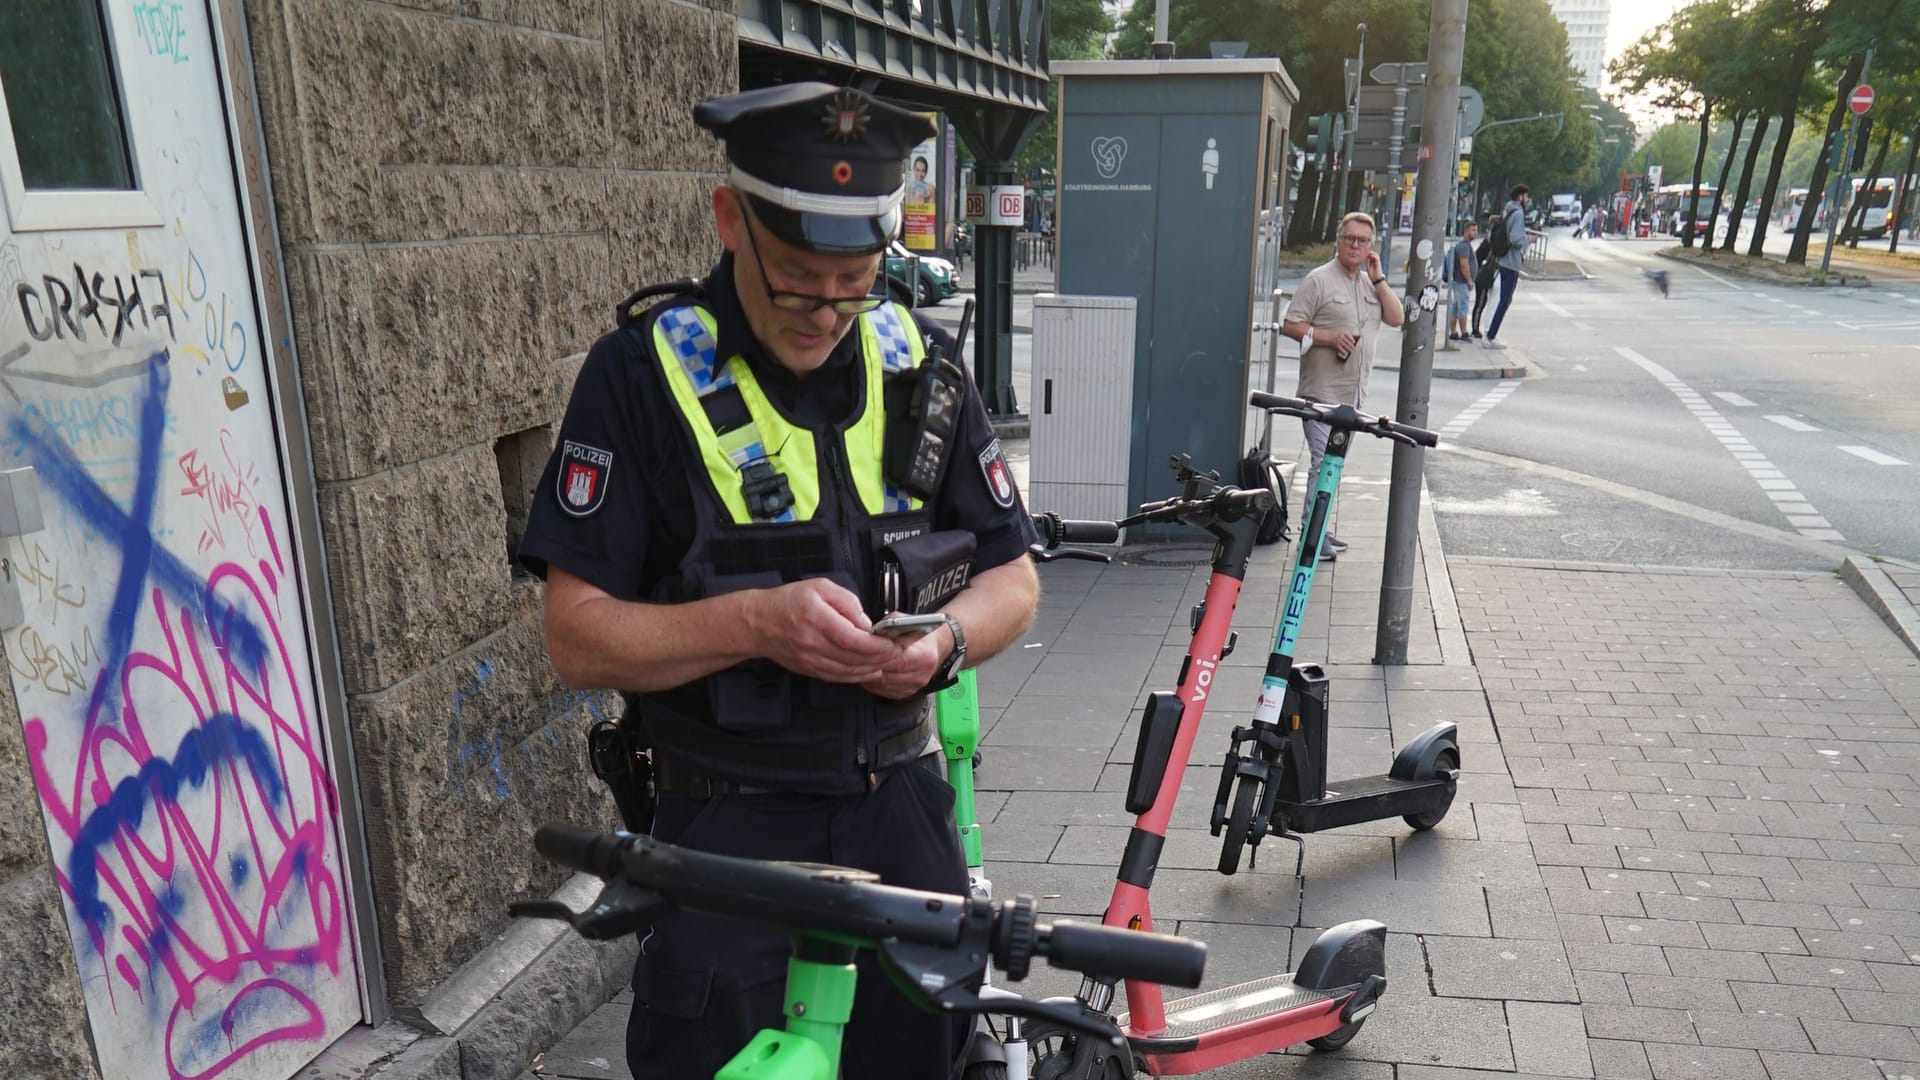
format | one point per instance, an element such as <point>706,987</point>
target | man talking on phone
<point>754,471</point>
<point>1335,316</point>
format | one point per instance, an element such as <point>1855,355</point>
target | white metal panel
<point>1082,404</point>
<point>164,671</point>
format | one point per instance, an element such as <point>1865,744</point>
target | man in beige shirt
<point>1335,316</point>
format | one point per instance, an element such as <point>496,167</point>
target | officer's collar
<point>735,335</point>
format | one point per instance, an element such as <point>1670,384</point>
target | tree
<point>1076,30</point>
<point>1682,60</point>
<point>1795,28</point>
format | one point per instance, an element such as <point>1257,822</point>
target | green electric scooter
<point>934,947</point>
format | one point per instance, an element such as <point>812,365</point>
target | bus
<point>1678,198</point>
<point>1879,205</point>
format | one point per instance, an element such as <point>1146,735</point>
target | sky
<point>1626,21</point>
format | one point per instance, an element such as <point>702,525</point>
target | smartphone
<point>906,626</point>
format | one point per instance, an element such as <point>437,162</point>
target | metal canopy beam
<point>943,54</point>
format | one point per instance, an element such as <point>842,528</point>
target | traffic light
<point>1860,143</point>
<point>1323,132</point>
<point>1313,137</point>
<point>1836,148</point>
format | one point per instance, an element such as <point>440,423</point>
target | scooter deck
<point>1365,798</point>
<point>1189,1018</point>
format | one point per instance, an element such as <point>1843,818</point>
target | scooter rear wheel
<point>1446,759</point>
<point>1338,1037</point>
<point>1246,795</point>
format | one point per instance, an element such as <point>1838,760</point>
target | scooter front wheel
<point>1055,1053</point>
<point>1246,796</point>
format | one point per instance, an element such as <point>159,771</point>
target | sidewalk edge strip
<point>1885,598</point>
<point>1446,610</point>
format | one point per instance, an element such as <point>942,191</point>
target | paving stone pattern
<point>1684,845</point>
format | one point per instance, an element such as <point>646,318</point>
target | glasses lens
<point>858,305</point>
<point>1355,239</point>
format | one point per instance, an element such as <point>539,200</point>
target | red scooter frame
<point>1339,981</point>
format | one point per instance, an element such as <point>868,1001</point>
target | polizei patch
<point>993,466</point>
<point>582,481</point>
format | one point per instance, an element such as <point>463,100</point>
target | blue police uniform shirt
<point>642,525</point>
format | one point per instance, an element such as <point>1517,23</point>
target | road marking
<point>1733,399</point>
<point>1459,424</point>
<point>1724,281</point>
<point>1518,502</point>
<point>1553,307</point>
<point>1583,328</point>
<point>1770,480</point>
<point>1872,455</point>
<point>1791,424</point>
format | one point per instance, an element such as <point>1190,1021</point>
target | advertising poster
<point>922,204</point>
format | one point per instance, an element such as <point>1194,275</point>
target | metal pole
<point>1396,145</point>
<point>1353,121</point>
<point>1446,44</point>
<point>1162,44</point>
<point>1846,167</point>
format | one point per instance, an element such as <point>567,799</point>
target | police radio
<point>923,416</point>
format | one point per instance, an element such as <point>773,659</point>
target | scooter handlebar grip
<point>1094,949</point>
<point>586,850</point>
<point>1089,532</point>
<point>1262,400</point>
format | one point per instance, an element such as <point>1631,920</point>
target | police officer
<point>710,527</point>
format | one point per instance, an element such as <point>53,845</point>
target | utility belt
<point>671,779</point>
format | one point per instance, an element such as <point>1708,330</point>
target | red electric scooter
<point>1340,979</point>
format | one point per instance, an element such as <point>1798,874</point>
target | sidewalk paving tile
<point>1549,1039</point>
<point>1790,1066</point>
<point>1500,969</point>
<point>1691,1062</point>
<point>1618,1059</point>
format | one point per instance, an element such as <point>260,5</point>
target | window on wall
<point>66,159</point>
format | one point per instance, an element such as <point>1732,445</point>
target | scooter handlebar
<point>588,851</point>
<point>1345,417</point>
<point>1055,530</point>
<point>1107,950</point>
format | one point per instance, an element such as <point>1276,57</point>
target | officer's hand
<point>817,629</point>
<point>912,666</point>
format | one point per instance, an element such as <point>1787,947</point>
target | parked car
<point>936,279</point>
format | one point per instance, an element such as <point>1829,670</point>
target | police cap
<point>822,166</point>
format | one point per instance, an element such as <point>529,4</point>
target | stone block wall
<point>463,189</point>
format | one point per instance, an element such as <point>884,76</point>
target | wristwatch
<point>949,670</point>
<point>1378,280</point>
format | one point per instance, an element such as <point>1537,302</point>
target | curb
<point>1861,282</point>
<point>490,1019</point>
<point>1016,426</point>
<point>1884,597</point>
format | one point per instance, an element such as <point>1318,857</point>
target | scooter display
<point>1275,776</point>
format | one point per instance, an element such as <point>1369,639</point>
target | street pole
<point>1396,146</point>
<point>1353,121</point>
<point>1846,166</point>
<point>1446,44</point>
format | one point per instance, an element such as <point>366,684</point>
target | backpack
<point>1258,469</point>
<point>1500,242</point>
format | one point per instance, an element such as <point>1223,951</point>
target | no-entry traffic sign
<point>1862,99</point>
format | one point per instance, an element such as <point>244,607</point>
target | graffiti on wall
<point>161,28</point>
<point>164,681</point>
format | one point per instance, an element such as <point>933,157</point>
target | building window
<point>66,158</point>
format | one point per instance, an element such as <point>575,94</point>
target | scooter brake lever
<point>619,910</point>
<point>1067,1012</point>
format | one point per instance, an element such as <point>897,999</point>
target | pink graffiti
<point>225,910</point>
<point>226,493</point>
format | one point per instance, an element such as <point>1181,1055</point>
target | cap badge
<point>842,173</point>
<point>845,119</point>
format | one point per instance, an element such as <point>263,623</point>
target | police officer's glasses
<point>807,302</point>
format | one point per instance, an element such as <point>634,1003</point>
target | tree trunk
<point>1906,189</point>
<point>1329,218</point>
<point>1802,60</point>
<point>1771,189</point>
<point>1739,210</point>
<point>1699,163</point>
<point>1818,183</point>
<point>1726,170</point>
<point>1866,189</point>
<point>1306,210</point>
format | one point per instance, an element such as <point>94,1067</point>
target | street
<point>1730,424</point>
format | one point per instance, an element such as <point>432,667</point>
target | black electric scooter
<point>1279,763</point>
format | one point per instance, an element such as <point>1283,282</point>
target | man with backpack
<point>1485,274</point>
<point>1509,245</point>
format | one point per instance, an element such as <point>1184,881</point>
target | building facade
<point>1586,23</point>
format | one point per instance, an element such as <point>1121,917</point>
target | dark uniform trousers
<point>704,985</point>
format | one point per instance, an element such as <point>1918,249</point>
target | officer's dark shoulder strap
<point>634,307</point>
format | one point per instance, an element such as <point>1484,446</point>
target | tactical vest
<point>775,502</point>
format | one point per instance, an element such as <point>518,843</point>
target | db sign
<point>1007,205</point>
<point>976,206</point>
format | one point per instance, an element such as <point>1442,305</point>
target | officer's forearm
<point>996,607</point>
<point>598,642</point>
